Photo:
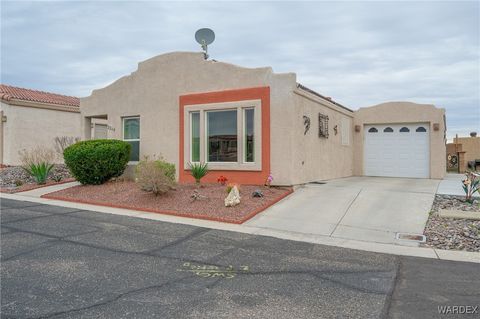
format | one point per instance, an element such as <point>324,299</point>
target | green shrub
<point>168,168</point>
<point>96,161</point>
<point>37,162</point>
<point>157,176</point>
<point>39,171</point>
<point>198,171</point>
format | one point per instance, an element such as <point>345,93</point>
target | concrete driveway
<point>362,208</point>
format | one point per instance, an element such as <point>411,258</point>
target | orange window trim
<point>233,176</point>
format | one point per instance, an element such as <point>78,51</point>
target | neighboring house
<point>247,123</point>
<point>462,151</point>
<point>33,118</point>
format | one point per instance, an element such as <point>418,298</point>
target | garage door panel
<point>397,153</point>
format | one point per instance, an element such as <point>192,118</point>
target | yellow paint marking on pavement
<point>210,271</point>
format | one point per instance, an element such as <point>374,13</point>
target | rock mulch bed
<point>449,233</point>
<point>179,202</point>
<point>14,179</point>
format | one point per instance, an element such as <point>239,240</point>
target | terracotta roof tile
<point>8,92</point>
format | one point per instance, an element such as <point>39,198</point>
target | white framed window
<point>345,131</point>
<point>224,135</point>
<point>249,135</point>
<point>131,134</point>
<point>195,137</point>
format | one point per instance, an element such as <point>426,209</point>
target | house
<point>247,123</point>
<point>33,118</point>
<point>462,152</point>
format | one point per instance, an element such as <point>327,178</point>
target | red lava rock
<point>127,194</point>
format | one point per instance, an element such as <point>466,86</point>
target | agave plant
<point>39,171</point>
<point>38,162</point>
<point>198,171</point>
<point>471,184</point>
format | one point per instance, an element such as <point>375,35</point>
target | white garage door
<point>398,150</point>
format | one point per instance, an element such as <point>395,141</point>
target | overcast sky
<point>359,53</point>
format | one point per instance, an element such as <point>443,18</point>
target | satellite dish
<point>204,37</point>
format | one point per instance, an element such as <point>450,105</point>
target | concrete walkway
<point>452,185</point>
<point>372,209</point>
<point>37,192</point>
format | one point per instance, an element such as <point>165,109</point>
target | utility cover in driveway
<point>400,150</point>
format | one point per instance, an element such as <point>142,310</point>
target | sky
<point>359,53</point>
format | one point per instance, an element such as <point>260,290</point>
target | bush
<point>96,161</point>
<point>198,171</point>
<point>38,162</point>
<point>157,176</point>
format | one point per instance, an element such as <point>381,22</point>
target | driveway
<point>67,263</point>
<point>371,209</point>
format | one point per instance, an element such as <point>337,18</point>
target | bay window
<point>224,135</point>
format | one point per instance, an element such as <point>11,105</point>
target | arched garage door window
<point>372,130</point>
<point>404,130</point>
<point>420,129</point>
<point>388,130</point>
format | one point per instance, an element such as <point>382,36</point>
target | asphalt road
<point>65,263</point>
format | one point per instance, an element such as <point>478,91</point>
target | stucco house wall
<point>27,127</point>
<point>164,89</point>
<point>319,158</point>
<point>153,93</point>
<point>404,112</point>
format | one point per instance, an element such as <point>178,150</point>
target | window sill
<point>215,166</point>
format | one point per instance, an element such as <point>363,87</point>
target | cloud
<point>360,53</point>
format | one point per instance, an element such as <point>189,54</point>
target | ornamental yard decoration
<point>322,125</point>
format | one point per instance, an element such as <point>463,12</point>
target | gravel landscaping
<point>450,233</point>
<point>209,205</point>
<point>14,179</point>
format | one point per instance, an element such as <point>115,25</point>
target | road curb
<point>392,249</point>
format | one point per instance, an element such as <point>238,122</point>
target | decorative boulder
<point>233,197</point>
